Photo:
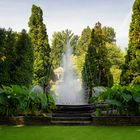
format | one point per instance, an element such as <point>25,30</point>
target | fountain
<point>69,89</point>
<point>72,108</point>
<point>37,89</point>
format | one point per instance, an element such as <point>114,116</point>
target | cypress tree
<point>96,70</point>
<point>104,77</point>
<point>2,37</point>
<point>3,73</point>
<point>39,37</point>
<point>7,56</point>
<point>89,73</point>
<point>24,60</point>
<point>131,68</point>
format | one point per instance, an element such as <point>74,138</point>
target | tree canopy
<point>16,58</point>
<point>59,43</point>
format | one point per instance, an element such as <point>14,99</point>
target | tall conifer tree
<point>96,70</point>
<point>39,37</point>
<point>131,68</point>
<point>104,77</point>
<point>24,60</point>
<point>7,56</point>
<point>89,73</point>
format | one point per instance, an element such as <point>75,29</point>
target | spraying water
<point>69,91</point>
<point>37,89</point>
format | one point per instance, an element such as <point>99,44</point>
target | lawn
<point>69,132</point>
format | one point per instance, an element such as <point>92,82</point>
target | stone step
<point>75,107</point>
<point>70,122</point>
<point>71,114</point>
<point>71,118</point>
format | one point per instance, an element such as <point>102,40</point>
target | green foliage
<point>24,60</point>
<point>109,34</point>
<point>108,56</point>
<point>131,68</point>
<point>78,64</point>
<point>125,99</point>
<point>19,100</point>
<point>59,43</point>
<point>98,112</point>
<point>96,70</point>
<point>51,103</point>
<point>90,67</point>
<point>115,54</point>
<point>83,42</point>
<point>15,100</point>
<point>81,50</point>
<point>116,72</point>
<point>16,58</point>
<point>116,59</point>
<point>39,38</point>
<point>2,38</point>
<point>7,56</point>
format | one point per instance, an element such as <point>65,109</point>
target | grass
<point>70,132</point>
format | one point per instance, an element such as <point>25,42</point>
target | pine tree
<point>23,73</point>
<point>38,34</point>
<point>131,68</point>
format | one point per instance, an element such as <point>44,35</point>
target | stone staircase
<point>72,115</point>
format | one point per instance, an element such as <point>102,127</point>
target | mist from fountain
<point>69,91</point>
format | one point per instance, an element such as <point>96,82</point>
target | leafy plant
<point>124,99</point>
<point>19,100</point>
<point>98,112</point>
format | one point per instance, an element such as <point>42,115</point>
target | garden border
<point>41,120</point>
<point>25,120</point>
<point>116,120</point>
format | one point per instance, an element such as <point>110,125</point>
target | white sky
<point>72,14</point>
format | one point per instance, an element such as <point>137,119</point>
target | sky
<point>75,15</point>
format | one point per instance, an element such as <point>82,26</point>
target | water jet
<point>68,85</point>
